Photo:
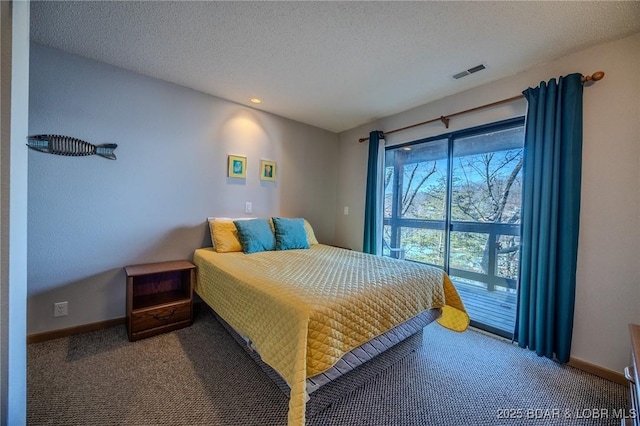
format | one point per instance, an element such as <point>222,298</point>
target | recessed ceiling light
<point>256,100</point>
<point>407,148</point>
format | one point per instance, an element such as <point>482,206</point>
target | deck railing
<point>490,275</point>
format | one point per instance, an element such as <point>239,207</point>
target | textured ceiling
<point>334,65</point>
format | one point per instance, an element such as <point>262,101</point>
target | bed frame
<point>355,368</point>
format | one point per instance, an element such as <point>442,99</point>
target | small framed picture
<point>267,170</point>
<point>237,166</point>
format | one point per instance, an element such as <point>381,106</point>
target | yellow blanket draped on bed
<point>304,309</point>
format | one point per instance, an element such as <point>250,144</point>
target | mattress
<point>303,310</point>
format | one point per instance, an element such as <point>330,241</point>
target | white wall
<point>89,217</point>
<point>608,278</point>
<point>14,95</point>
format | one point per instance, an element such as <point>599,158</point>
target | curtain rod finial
<point>596,76</point>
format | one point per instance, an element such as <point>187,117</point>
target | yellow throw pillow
<point>225,236</point>
<point>311,236</point>
<point>222,219</point>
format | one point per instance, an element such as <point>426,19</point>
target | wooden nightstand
<point>159,297</point>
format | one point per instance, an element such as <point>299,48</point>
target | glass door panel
<point>415,202</point>
<point>486,188</point>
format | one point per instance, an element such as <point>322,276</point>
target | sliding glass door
<point>454,202</point>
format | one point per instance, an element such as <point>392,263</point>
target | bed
<point>305,311</point>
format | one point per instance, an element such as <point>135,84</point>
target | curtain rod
<point>596,76</point>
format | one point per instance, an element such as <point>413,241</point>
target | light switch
<point>346,210</point>
<point>248,207</point>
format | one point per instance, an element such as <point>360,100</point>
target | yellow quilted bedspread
<point>304,309</point>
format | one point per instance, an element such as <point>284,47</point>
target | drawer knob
<point>165,317</point>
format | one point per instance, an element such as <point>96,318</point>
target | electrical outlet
<point>61,309</point>
<point>346,210</point>
<point>248,207</point>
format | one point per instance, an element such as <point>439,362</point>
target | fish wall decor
<point>66,145</point>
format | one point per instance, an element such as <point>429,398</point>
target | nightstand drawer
<point>161,316</point>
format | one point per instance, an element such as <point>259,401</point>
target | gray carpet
<point>200,376</point>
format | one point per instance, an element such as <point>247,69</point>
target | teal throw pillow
<point>290,234</point>
<point>255,235</point>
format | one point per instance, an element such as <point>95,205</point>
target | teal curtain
<point>372,211</point>
<point>550,216</point>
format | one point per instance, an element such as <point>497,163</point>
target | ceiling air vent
<point>469,71</point>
